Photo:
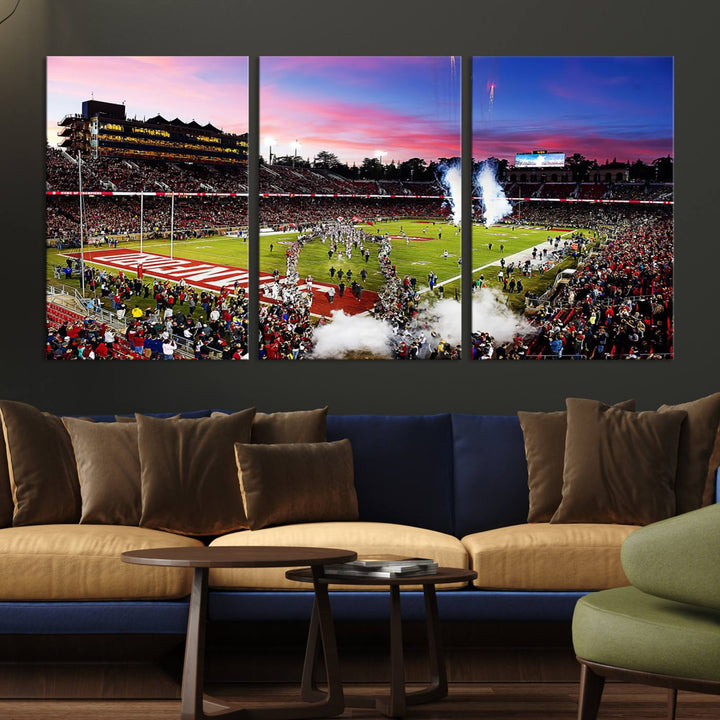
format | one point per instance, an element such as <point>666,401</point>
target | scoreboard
<point>539,159</point>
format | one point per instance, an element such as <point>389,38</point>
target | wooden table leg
<point>195,707</point>
<point>438,687</point>
<point>398,700</point>
<point>334,703</point>
<point>193,670</point>
<point>394,706</point>
<point>308,687</point>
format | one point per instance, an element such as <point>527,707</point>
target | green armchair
<point>664,629</point>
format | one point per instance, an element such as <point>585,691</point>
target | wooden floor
<point>494,701</point>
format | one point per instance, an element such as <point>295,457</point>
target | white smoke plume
<point>445,318</point>
<point>452,182</point>
<point>491,315</point>
<point>352,334</point>
<point>495,204</point>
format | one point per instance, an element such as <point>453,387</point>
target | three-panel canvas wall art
<point>359,238</point>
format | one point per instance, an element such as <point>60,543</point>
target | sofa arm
<point>677,558</point>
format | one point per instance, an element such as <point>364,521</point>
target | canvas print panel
<point>573,208</point>
<point>146,208</point>
<point>359,243</point>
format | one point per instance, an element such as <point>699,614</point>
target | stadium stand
<point>557,190</point>
<point>618,304</point>
<point>592,191</point>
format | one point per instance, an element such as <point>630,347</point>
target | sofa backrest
<point>403,467</point>
<point>490,481</point>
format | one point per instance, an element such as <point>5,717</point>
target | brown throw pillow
<point>131,418</point>
<point>697,439</point>
<point>298,426</point>
<point>544,435</point>
<point>620,466</point>
<point>41,465</point>
<point>6,499</point>
<point>188,473</point>
<point>297,483</point>
<point>710,492</point>
<point>108,466</point>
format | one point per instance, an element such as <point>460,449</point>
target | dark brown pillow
<point>544,435</point>
<point>188,473</point>
<point>620,466</point>
<point>298,426</point>
<point>131,418</point>
<point>297,483</point>
<point>41,466</point>
<point>710,491</point>
<point>6,499</point>
<point>108,466</point>
<point>697,439</point>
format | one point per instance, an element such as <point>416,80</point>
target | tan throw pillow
<point>41,466</point>
<point>188,473</point>
<point>697,439</point>
<point>297,483</point>
<point>298,426</point>
<point>108,466</point>
<point>620,466</point>
<point>544,435</point>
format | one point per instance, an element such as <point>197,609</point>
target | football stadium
<point>146,238</point>
<point>360,255</point>
<point>594,279</point>
<point>174,258</point>
<point>578,151</point>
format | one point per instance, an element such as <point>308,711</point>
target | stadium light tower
<point>380,154</point>
<point>270,141</point>
<point>295,147</point>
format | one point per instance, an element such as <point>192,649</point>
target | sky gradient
<point>601,107</point>
<point>205,89</point>
<point>356,106</point>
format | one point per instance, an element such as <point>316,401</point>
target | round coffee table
<point>194,706</point>
<point>395,704</point>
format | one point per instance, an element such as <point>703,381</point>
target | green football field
<point>415,257</point>
<point>411,257</point>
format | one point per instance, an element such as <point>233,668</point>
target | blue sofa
<point>455,474</point>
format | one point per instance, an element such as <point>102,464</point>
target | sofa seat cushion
<point>544,556</point>
<point>365,538</point>
<point>82,562</point>
<point>628,628</point>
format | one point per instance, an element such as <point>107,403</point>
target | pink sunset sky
<point>205,89</point>
<point>356,107</point>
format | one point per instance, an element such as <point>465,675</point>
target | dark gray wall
<point>324,27</point>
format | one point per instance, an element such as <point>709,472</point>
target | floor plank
<point>476,701</point>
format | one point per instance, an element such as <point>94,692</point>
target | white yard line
<point>515,257</point>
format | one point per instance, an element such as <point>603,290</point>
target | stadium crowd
<point>274,212</point>
<point>120,216</point>
<point>618,304</point>
<point>111,173</point>
<point>158,318</point>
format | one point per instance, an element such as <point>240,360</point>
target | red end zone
<point>211,276</point>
